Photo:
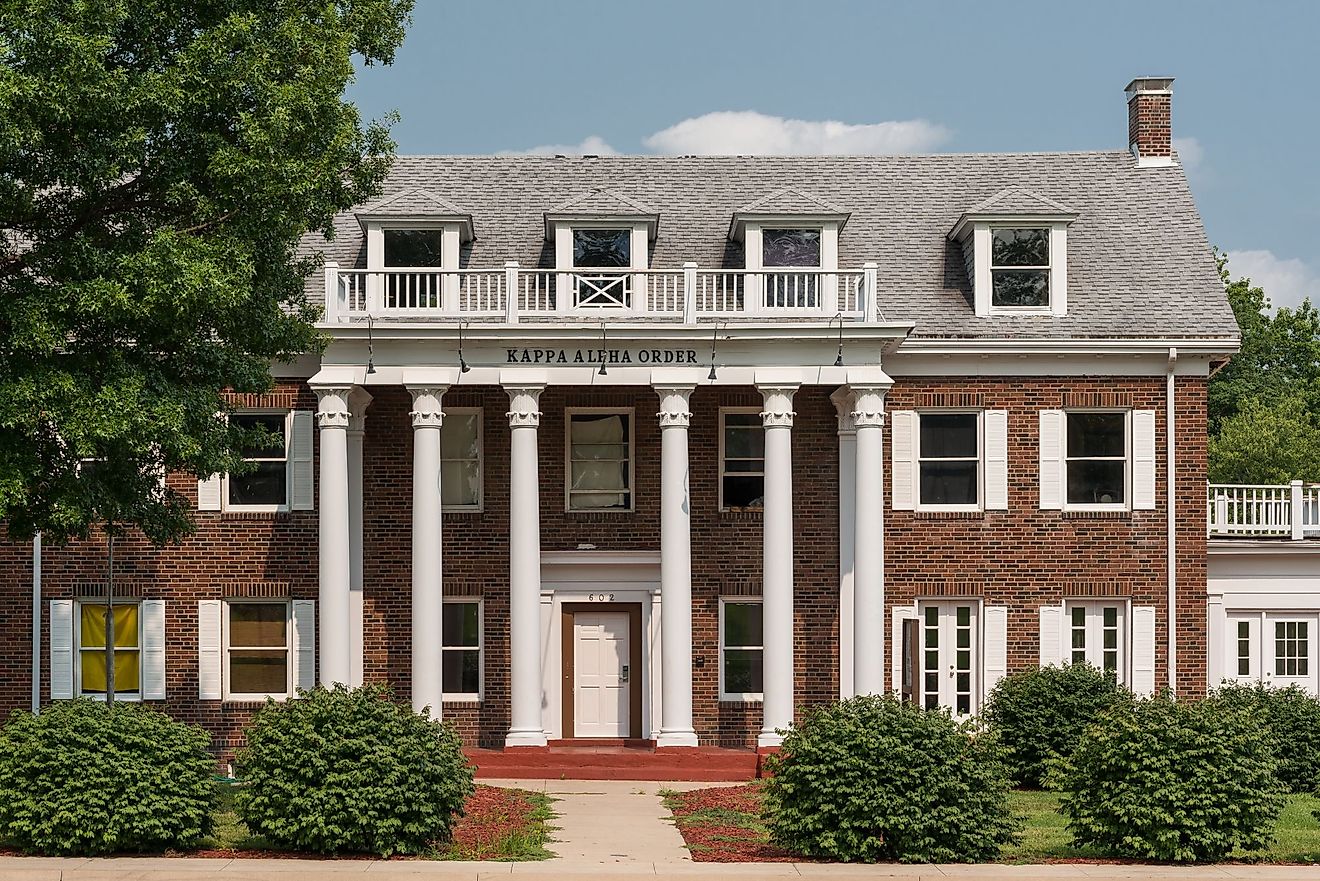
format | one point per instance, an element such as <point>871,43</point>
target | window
<point>1020,267</point>
<point>1097,459</point>
<point>742,460</point>
<point>1096,632</point>
<point>266,487</point>
<point>599,469</point>
<point>791,249</point>
<point>949,459</point>
<point>1292,651</point>
<point>602,249</point>
<point>741,650</point>
<point>1244,648</point>
<point>127,641</point>
<point>257,650</point>
<point>461,639</point>
<point>460,460</point>
<point>419,249</point>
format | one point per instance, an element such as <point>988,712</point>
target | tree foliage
<point>159,161</point>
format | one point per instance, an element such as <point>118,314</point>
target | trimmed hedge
<point>1162,780</point>
<point>874,778</point>
<point>1291,716</point>
<point>82,779</point>
<point>350,770</point>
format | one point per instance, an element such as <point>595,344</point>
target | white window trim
<point>128,696</point>
<point>467,697</point>
<point>978,695</point>
<point>724,411</point>
<point>480,506</point>
<point>982,251</point>
<point>749,697</point>
<point>1095,605</point>
<point>753,240</point>
<point>980,461</point>
<point>450,241</point>
<point>1126,504</point>
<point>639,260</point>
<point>569,413</point>
<point>225,504</point>
<point>289,648</point>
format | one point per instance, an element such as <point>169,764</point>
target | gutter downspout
<point>36,623</point>
<point>1171,516</point>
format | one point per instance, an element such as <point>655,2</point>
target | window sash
<point>1048,235</point>
<point>1125,487</point>
<point>1098,635</point>
<point>270,652</point>
<point>283,504</point>
<point>127,657</point>
<point>462,651</point>
<point>476,501</point>
<point>977,460</point>
<point>579,466</point>
<point>726,473</point>
<point>751,651</point>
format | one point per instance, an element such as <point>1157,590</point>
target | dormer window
<point>608,251</point>
<point>798,234</point>
<point>599,236</point>
<point>1020,267</point>
<point>411,237</point>
<point>406,248</point>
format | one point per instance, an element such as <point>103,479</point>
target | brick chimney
<point>1150,113</point>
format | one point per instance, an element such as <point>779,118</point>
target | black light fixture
<point>371,352</point>
<point>462,364</point>
<point>838,359</point>
<point>713,337</point>
<point>604,347</point>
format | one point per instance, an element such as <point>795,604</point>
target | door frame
<point>568,648</point>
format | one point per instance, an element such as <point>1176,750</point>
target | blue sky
<point>733,76</point>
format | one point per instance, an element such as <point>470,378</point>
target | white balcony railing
<point>1262,511</point>
<point>685,294</point>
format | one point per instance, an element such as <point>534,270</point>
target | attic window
<point>602,248</point>
<point>413,247</point>
<point>1020,267</point>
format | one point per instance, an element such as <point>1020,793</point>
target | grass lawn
<point>723,824</point>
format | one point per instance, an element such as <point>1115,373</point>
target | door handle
<point>623,677</point>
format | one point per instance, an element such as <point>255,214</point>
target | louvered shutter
<point>153,649</point>
<point>301,475</point>
<point>900,614</point>
<point>996,460</point>
<point>903,454</point>
<point>1143,650</point>
<point>1051,635</point>
<point>995,667</point>
<point>209,660</point>
<point>61,649</point>
<point>304,645</point>
<point>1052,426</point>
<point>1143,460</point>
<point>208,493</point>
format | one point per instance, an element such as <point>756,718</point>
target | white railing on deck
<point>1264,510</point>
<point>684,294</point>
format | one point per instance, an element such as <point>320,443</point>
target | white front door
<point>601,698</point>
<point>949,656</point>
<point>1277,648</point>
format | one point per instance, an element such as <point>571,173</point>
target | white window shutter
<point>61,649</point>
<point>996,460</point>
<point>1143,460</point>
<point>900,614</point>
<point>208,493</point>
<point>995,667</point>
<point>1051,635</point>
<point>301,476</point>
<point>153,649</point>
<point>904,455</point>
<point>1051,459</point>
<point>304,645</point>
<point>1143,650</point>
<point>209,658</point>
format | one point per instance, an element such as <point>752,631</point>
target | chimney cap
<point>1158,84</point>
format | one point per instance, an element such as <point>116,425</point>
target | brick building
<point>669,448</point>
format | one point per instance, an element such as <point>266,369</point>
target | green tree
<point>1267,441</point>
<point>159,162</point>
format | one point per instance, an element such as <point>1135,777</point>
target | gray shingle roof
<point>1016,200</point>
<point>601,201</point>
<point>787,200</point>
<point>1139,264</point>
<point>409,203</point>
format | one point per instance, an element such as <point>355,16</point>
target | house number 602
<point>601,597</point>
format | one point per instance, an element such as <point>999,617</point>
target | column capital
<point>778,402</point>
<point>524,404</point>
<point>844,403</point>
<point>332,405</point>
<point>674,410</point>
<point>869,405</point>
<point>359,399</point>
<point>426,407</point>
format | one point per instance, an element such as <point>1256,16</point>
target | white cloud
<point>592,145</point>
<point>746,132</point>
<point>1190,153</point>
<point>1285,281</point>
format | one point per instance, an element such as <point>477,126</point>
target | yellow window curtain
<point>127,673</point>
<point>92,645</point>
<point>93,626</point>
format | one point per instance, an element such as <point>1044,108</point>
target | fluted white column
<point>427,558</point>
<point>777,562</point>
<point>526,727</point>
<point>358,402</point>
<point>676,728</point>
<point>332,415</point>
<point>869,555</point>
<point>842,398</point>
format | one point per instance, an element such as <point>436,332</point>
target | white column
<point>333,634</point>
<point>777,562</point>
<point>842,399</point>
<point>358,401</point>
<point>869,545</point>
<point>526,727</point>
<point>675,570</point>
<point>427,574</point>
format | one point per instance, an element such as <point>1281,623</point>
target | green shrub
<point>1039,714</point>
<point>1163,780</point>
<point>874,778</point>
<point>81,779</point>
<point>1292,719</point>
<point>350,770</point>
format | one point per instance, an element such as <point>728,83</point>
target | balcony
<point>686,295</point>
<point>1264,511</point>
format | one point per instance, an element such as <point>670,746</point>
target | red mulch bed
<point>711,841</point>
